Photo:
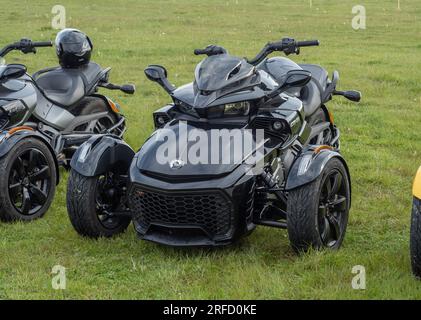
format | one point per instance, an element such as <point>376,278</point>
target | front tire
<point>28,181</point>
<point>87,207</point>
<point>318,212</point>
<point>415,241</point>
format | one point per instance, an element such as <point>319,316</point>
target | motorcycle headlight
<point>237,109</point>
<point>230,110</point>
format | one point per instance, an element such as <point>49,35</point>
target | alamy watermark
<point>359,280</point>
<point>59,19</point>
<point>183,144</point>
<point>58,282</point>
<point>359,22</point>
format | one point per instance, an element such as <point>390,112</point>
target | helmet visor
<point>77,48</point>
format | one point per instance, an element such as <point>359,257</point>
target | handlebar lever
<point>354,96</point>
<point>126,88</point>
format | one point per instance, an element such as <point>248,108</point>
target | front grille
<point>209,210</point>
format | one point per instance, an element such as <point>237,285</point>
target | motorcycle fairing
<point>217,72</point>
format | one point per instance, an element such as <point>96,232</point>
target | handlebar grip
<point>199,51</point>
<point>211,50</point>
<point>310,43</point>
<point>42,44</point>
<point>278,45</point>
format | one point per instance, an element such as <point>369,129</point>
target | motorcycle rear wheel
<point>28,181</point>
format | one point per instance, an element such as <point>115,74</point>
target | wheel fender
<point>8,141</point>
<point>101,153</point>
<point>309,166</point>
<point>416,187</point>
<point>111,105</point>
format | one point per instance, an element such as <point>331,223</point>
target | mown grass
<point>380,139</point>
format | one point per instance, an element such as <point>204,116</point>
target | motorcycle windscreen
<point>182,149</point>
<point>217,72</point>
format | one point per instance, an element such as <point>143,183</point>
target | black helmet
<point>73,48</point>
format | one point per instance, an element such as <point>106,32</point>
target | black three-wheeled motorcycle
<point>43,119</point>
<point>301,182</point>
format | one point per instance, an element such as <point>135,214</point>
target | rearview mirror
<point>294,78</point>
<point>158,74</point>
<point>12,71</point>
<point>297,78</point>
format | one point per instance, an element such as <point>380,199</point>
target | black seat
<point>66,86</point>
<point>318,73</point>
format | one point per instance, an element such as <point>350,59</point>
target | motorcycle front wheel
<point>318,212</point>
<point>91,204</point>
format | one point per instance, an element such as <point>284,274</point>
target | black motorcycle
<point>300,181</point>
<point>43,119</point>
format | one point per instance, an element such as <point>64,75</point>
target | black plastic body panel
<point>309,166</point>
<point>102,153</point>
<point>235,187</point>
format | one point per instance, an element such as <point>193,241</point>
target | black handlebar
<point>287,45</point>
<point>25,45</point>
<point>290,46</point>
<point>198,52</point>
<point>310,43</point>
<point>42,44</point>
<point>210,50</point>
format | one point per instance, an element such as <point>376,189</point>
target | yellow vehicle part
<point>416,188</point>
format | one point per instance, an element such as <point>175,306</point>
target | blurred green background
<point>380,139</point>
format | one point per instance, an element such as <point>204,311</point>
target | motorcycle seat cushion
<point>66,86</point>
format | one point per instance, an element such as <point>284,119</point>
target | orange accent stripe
<point>331,117</point>
<point>16,129</point>
<point>113,106</point>
<point>321,148</point>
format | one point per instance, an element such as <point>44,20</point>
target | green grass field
<point>380,139</point>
